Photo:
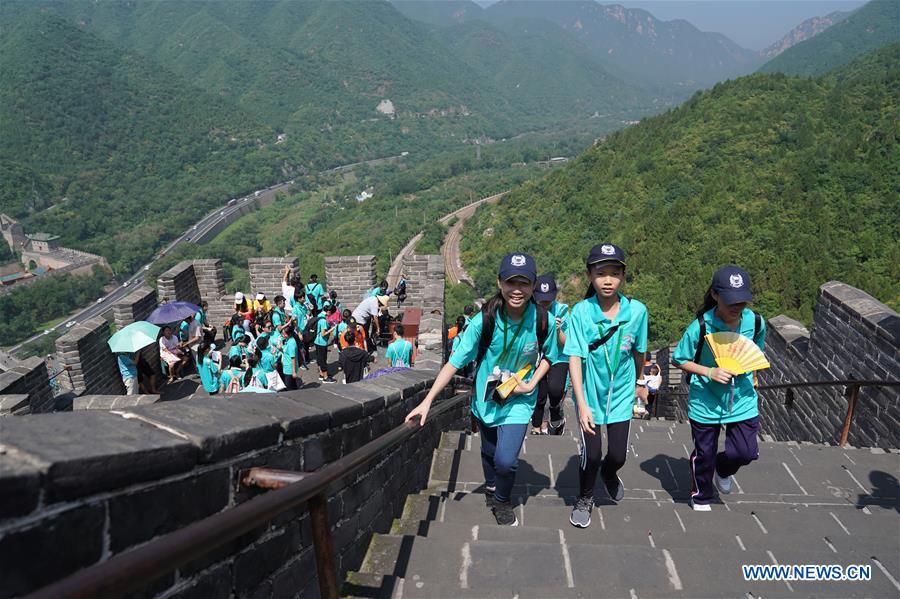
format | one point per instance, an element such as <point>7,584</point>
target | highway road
<point>204,225</point>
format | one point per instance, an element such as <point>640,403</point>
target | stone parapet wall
<point>425,289</point>
<point>28,378</point>
<point>351,276</point>
<point>79,488</point>
<point>266,275</point>
<point>93,366</point>
<point>135,306</point>
<point>179,283</point>
<point>853,336</point>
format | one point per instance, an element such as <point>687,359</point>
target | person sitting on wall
<point>172,352</point>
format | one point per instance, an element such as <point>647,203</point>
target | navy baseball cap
<point>606,252</point>
<point>518,265</point>
<point>732,284</point>
<point>545,288</point>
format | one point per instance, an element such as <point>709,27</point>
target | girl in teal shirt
<point>208,369</point>
<point>605,341</point>
<point>514,344</point>
<point>716,395</point>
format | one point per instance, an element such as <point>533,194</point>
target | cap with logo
<point>545,288</point>
<point>518,265</point>
<point>606,252</point>
<point>732,284</point>
<point>238,297</point>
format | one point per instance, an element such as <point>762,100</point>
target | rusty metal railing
<point>132,570</point>
<point>851,393</point>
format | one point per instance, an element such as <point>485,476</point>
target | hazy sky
<point>753,24</point>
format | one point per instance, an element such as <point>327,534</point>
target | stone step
<point>524,566</point>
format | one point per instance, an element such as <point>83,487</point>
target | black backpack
<point>487,332</point>
<point>310,330</point>
<point>757,323</point>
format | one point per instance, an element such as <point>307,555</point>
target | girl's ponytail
<point>709,302</point>
<point>493,305</point>
<point>591,292</point>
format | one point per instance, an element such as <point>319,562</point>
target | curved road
<point>450,247</point>
<point>203,226</point>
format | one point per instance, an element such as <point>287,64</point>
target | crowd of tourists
<point>268,344</point>
<point>525,349</point>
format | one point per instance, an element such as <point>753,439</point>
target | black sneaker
<point>504,513</point>
<point>615,488</point>
<point>489,497</point>
<point>557,426</point>
<point>329,380</point>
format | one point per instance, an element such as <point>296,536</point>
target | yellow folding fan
<point>506,387</point>
<point>736,353</point>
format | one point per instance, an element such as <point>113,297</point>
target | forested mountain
<point>440,12</point>
<point>872,26</point>
<point>128,109</point>
<point>135,149</point>
<point>802,32</point>
<point>794,179</point>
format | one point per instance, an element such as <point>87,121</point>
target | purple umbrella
<point>172,312</point>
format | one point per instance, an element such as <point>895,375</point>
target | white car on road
<point>70,324</point>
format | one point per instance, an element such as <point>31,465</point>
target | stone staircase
<point>798,504</point>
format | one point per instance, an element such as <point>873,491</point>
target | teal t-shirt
<point>237,331</point>
<point>561,311</point>
<point>708,400</point>
<point>317,291</point>
<point>200,317</point>
<point>237,350</point>
<point>183,329</point>
<point>613,362</point>
<point>287,353</point>
<point>209,375</point>
<point>400,352</point>
<point>278,317</point>
<point>321,327</point>
<point>299,312</point>
<point>268,361</point>
<point>522,349</point>
<point>454,345</point>
<point>229,374</point>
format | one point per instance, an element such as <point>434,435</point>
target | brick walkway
<point>798,504</point>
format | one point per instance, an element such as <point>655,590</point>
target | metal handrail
<point>852,393</point>
<point>131,570</point>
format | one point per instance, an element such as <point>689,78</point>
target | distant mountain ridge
<point>874,25</point>
<point>631,43</point>
<point>803,32</point>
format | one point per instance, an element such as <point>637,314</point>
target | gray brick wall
<point>351,277</point>
<point>77,498</point>
<point>853,336</point>
<point>28,378</point>
<point>425,289</point>
<point>135,306</point>
<point>93,366</point>
<point>179,283</point>
<point>266,274</point>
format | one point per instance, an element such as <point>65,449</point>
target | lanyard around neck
<point>512,342</point>
<point>614,365</point>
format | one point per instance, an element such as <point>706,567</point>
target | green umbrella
<point>133,337</point>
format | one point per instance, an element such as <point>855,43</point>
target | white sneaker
<point>722,484</point>
<point>700,507</point>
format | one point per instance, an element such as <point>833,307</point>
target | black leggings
<point>592,450</point>
<point>553,385</point>
<point>290,383</point>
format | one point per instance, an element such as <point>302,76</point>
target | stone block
<point>96,451</point>
<point>51,548</point>
<point>142,515</point>
<point>256,563</point>
<point>20,479</point>
<point>218,426</point>
<point>340,409</point>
